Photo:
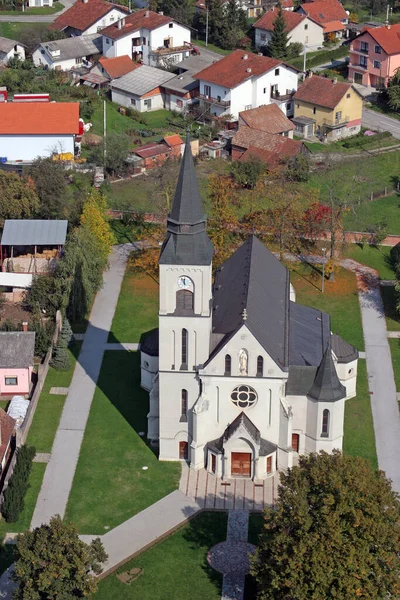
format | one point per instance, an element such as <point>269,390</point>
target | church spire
<point>187,242</point>
<point>327,386</point>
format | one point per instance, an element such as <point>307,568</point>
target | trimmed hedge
<point>18,484</point>
<point>325,56</point>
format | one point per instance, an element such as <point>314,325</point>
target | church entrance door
<point>241,464</point>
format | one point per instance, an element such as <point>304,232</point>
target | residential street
<point>380,122</point>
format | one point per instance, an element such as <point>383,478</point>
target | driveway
<point>380,122</point>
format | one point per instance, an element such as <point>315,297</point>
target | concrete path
<point>59,475</point>
<point>121,346</point>
<point>380,122</point>
<point>42,457</point>
<point>393,334</point>
<point>59,391</point>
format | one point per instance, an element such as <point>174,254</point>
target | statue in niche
<point>243,361</point>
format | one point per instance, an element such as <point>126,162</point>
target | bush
<point>395,254</point>
<point>61,360</point>
<point>42,337</point>
<point>18,484</point>
<point>247,174</point>
<point>320,58</point>
<point>294,49</point>
<point>65,337</point>
<point>298,168</point>
<point>135,115</point>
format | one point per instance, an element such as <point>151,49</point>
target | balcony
<point>336,123</point>
<point>218,101</point>
<point>282,97</point>
<point>162,50</point>
<point>359,51</point>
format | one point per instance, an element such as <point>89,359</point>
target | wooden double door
<point>241,464</point>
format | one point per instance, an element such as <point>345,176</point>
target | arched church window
<point>228,364</point>
<point>260,366</point>
<point>325,423</point>
<point>184,401</point>
<point>244,396</point>
<point>184,300</point>
<point>184,348</point>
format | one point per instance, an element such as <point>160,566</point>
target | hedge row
<point>18,484</point>
<point>325,56</point>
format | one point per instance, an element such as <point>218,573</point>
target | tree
<point>145,260</point>
<point>61,360</point>
<point>118,146</point>
<point>166,176</point>
<point>18,484</point>
<point>94,219</point>
<point>235,25</point>
<point>18,197</point>
<point>333,534</point>
<point>279,41</point>
<point>393,91</point>
<point>180,10</point>
<point>51,186</point>
<point>216,27</point>
<point>294,50</point>
<point>66,334</point>
<point>298,168</point>
<point>222,221</point>
<point>248,173</point>
<point>52,562</point>
<point>31,37</point>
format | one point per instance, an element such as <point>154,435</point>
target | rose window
<point>243,396</point>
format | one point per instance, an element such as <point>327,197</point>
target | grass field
<point>375,257</point>
<point>176,568</point>
<point>356,144</point>
<point>137,308</point>
<point>371,213</point>
<point>45,10</point>
<point>14,30</point>
<point>359,436</point>
<point>49,408</point>
<point>395,352</point>
<point>389,297</point>
<point>211,47</point>
<point>117,123</point>
<point>110,485</point>
<point>340,299</point>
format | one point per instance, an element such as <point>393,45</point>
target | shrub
<point>18,484</point>
<point>61,360</point>
<point>395,254</point>
<point>294,49</point>
<point>298,168</point>
<point>65,337</point>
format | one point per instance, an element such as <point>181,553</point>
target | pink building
<point>16,362</point>
<point>375,55</point>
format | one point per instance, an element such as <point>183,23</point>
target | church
<point>242,379</point>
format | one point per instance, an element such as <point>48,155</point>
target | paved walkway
<point>393,334</point>
<point>59,475</point>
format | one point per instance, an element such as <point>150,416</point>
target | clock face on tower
<point>185,283</point>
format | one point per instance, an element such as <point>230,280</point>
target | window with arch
<point>228,364</point>
<point>325,423</point>
<point>260,366</point>
<point>184,300</point>
<point>184,405</point>
<point>184,348</point>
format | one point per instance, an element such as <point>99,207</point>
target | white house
<point>88,16</point>
<point>10,49</point>
<point>149,37</point>
<point>241,378</point>
<point>67,54</point>
<point>37,129</point>
<point>301,28</point>
<point>141,89</point>
<point>40,3</point>
<point>328,13</point>
<point>243,80</point>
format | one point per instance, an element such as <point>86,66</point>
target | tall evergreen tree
<point>180,10</point>
<point>235,25</point>
<point>278,44</point>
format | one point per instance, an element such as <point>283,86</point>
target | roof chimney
<point>161,12</point>
<point>25,323</point>
<point>85,1</point>
<point>259,54</point>
<point>334,80</point>
<point>309,74</point>
<point>147,13</point>
<point>245,56</point>
<point>248,70</point>
<point>119,24</point>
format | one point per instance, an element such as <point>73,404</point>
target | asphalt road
<point>380,122</point>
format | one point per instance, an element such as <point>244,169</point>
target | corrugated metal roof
<point>31,232</point>
<point>141,80</point>
<point>76,47</point>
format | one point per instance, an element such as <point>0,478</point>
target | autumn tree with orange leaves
<point>222,222</point>
<point>94,219</point>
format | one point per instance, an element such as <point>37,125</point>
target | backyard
<point>14,30</point>
<point>376,257</point>
<point>371,213</point>
<point>110,485</point>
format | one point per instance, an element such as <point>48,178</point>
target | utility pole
<point>304,58</point>
<point>323,269</point>
<point>105,132</point>
<point>207,27</point>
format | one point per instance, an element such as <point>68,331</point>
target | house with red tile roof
<point>326,108</point>
<point>375,55</point>
<point>302,29</point>
<point>273,149</point>
<point>88,16</point>
<point>148,37</point>
<point>37,129</point>
<point>268,118</point>
<point>243,80</point>
<point>154,154</point>
<point>328,13</point>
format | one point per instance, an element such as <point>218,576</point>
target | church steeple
<point>327,386</point>
<point>187,242</point>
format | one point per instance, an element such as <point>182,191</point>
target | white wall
<point>45,60</point>
<point>17,52</point>
<point>40,3</point>
<point>313,36</point>
<point>178,33</point>
<point>109,19</point>
<point>122,46</point>
<point>125,99</point>
<point>29,147</point>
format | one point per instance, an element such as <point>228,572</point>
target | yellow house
<point>326,108</point>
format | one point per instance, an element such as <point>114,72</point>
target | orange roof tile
<point>268,117</point>
<point>324,11</point>
<point>173,140</point>
<point>141,18</point>
<point>387,37</point>
<point>118,66</point>
<point>322,91</point>
<point>334,26</point>
<point>287,3</point>
<point>236,67</point>
<point>266,22</point>
<point>82,15</point>
<point>266,142</point>
<point>39,118</point>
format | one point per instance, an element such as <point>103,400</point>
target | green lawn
<point>109,485</point>
<point>176,568</point>
<point>137,308</point>
<point>117,123</point>
<point>211,47</point>
<point>340,299</point>
<point>359,436</point>
<point>371,213</point>
<point>375,257</point>
<point>48,411</point>
<point>395,351</point>
<point>356,144</point>
<point>389,297</point>
<point>14,30</point>
<point>45,10</point>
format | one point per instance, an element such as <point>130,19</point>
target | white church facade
<point>241,377</point>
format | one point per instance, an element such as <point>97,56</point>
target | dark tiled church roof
<point>252,287</point>
<point>326,386</point>
<point>343,351</point>
<point>309,334</point>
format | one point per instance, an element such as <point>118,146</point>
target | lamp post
<point>305,58</point>
<point>323,269</point>
<point>207,27</point>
